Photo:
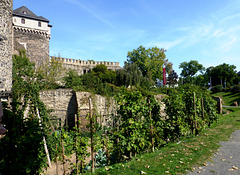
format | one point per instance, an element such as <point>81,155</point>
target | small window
<point>24,12</point>
<point>23,21</point>
<point>15,20</point>
<point>39,24</point>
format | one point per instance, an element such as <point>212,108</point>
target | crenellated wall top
<point>83,63</point>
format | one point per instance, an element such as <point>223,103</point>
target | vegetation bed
<point>179,157</point>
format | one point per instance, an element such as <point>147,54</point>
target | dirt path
<point>226,161</point>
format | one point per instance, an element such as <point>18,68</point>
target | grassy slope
<point>178,158</point>
<point>228,97</point>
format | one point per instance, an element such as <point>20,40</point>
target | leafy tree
<point>51,74</point>
<point>130,75</point>
<point>103,74</point>
<point>149,61</point>
<point>222,73</point>
<point>190,68</point>
<point>72,79</point>
<point>100,81</point>
<point>172,78</point>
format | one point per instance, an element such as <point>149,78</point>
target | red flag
<point>164,75</point>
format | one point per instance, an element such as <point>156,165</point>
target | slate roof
<point>26,13</point>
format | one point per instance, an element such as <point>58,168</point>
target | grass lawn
<point>228,97</point>
<point>178,158</point>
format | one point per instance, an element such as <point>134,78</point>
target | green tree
<point>103,74</point>
<point>130,75</point>
<point>72,79</point>
<point>50,74</point>
<point>189,69</point>
<point>172,78</point>
<point>149,61</point>
<point>221,74</point>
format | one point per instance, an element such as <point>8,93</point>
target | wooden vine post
<point>151,132</point>
<point>106,144</point>
<point>76,140</point>
<point>44,140</point>
<point>203,111</point>
<point>63,155</point>
<point>91,134</point>
<point>56,161</point>
<point>195,113</point>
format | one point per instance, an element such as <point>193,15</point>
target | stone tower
<point>6,46</point>
<point>32,33</point>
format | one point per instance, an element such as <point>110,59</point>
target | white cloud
<point>228,45</point>
<point>166,44</point>
<point>100,18</point>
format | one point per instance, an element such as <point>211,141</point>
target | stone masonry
<point>82,67</point>
<point>6,45</point>
<point>37,45</point>
<point>32,33</point>
<point>66,104</point>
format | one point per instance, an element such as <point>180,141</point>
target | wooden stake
<point>151,132</point>
<point>44,140</point>
<point>63,155</point>
<point>107,147</point>
<point>91,133</point>
<point>203,110</point>
<point>56,161</point>
<point>195,114</point>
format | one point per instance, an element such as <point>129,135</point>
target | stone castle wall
<point>82,67</point>
<point>36,44</point>
<point>6,45</point>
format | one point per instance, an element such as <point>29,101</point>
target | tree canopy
<point>222,73</point>
<point>149,61</point>
<point>190,68</point>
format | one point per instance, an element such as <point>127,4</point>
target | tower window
<point>23,21</point>
<point>39,24</point>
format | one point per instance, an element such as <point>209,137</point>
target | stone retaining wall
<point>67,104</point>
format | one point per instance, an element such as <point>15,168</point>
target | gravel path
<point>225,161</point>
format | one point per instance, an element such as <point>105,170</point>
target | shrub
<point>236,88</point>
<point>217,88</point>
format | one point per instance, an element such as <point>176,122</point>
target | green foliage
<point>236,89</point>
<point>217,88</point>
<point>172,78</point>
<point>22,147</point>
<point>72,80</point>
<point>134,123</point>
<point>149,61</point>
<point>178,158</point>
<point>181,111</point>
<point>100,81</point>
<point>190,68</point>
<point>50,74</point>
<point>130,75</point>
<point>222,73</point>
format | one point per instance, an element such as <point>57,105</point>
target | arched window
<point>39,24</point>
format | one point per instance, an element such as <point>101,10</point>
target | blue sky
<point>105,30</point>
